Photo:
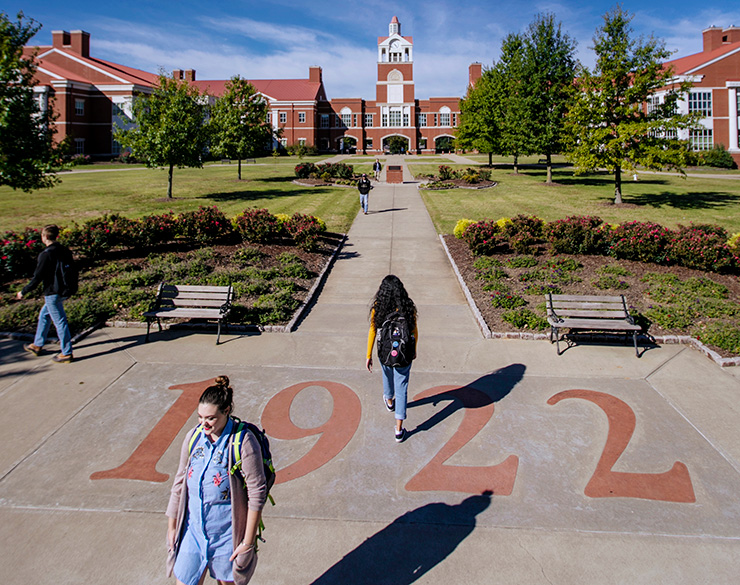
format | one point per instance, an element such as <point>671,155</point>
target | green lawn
<point>664,199</point>
<point>139,191</point>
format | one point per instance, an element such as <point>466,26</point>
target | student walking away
<point>364,186</point>
<point>393,323</point>
<point>377,167</point>
<point>216,502</point>
<point>56,269</point>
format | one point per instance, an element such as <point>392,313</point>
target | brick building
<point>715,74</point>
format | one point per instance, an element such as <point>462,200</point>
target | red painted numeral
<point>335,433</point>
<point>436,476</point>
<point>143,461</point>
<point>672,486</point>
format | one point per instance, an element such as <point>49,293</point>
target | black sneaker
<point>389,407</point>
<point>401,435</point>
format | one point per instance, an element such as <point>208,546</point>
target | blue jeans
<point>53,311</point>
<point>363,201</point>
<point>396,385</point>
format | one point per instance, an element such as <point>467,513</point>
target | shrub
<point>326,176</point>
<point>257,225</point>
<point>80,159</point>
<point>703,247</point>
<point>155,229</point>
<point>484,174</point>
<point>93,238</point>
<point>275,307</point>
<point>304,170</point>
<point>206,225</point>
<point>645,242</point>
<point>718,157</point>
<point>524,232</point>
<point>523,318</point>
<point>563,264</point>
<point>505,300</point>
<point>461,225</point>
<point>18,252</point>
<point>578,234</point>
<point>483,237</point>
<point>734,243</point>
<point>445,173</point>
<point>305,230</point>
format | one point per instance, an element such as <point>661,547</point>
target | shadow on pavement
<point>409,547</point>
<point>477,394</point>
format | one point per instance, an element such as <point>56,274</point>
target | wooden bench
<point>589,312</point>
<point>191,302</point>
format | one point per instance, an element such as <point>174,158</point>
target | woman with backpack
<point>393,322</point>
<point>215,509</point>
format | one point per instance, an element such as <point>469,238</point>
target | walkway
<point>603,468</point>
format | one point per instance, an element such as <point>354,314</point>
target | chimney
<point>731,34</point>
<point>314,74</point>
<point>80,41</point>
<point>190,75</point>
<point>712,38</point>
<point>177,74</point>
<point>60,39</point>
<point>474,72</point>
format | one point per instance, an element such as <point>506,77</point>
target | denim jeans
<point>395,385</point>
<point>53,311</point>
<point>363,201</point>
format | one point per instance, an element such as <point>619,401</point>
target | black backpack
<point>396,344</point>
<point>66,274</point>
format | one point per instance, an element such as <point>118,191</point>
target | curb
<point>664,339</point>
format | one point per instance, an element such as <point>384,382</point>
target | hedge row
<point>204,226</point>
<point>702,246</point>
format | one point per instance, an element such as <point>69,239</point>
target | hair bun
<point>222,381</point>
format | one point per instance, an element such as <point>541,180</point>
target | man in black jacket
<point>53,309</point>
<point>364,186</point>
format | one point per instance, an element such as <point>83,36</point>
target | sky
<point>281,39</point>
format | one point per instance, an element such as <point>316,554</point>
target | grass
<point>664,199</point>
<point>139,191</point>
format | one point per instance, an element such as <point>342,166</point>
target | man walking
<point>53,309</point>
<point>376,169</point>
<point>363,186</point>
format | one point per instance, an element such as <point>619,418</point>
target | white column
<point>733,118</point>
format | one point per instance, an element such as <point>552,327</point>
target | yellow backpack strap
<point>194,438</point>
<point>237,447</point>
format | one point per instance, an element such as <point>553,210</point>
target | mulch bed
<point>635,293</point>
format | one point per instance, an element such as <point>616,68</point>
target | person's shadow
<point>477,394</point>
<point>409,547</point>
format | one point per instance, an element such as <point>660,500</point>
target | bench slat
<point>190,303</point>
<point>611,325</point>
<point>185,313</point>
<point>592,306</point>
<point>167,294</point>
<point>591,314</point>
<point>595,298</point>
<point>195,288</point>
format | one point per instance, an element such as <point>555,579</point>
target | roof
<point>275,89</point>
<point>689,64</point>
<point>409,39</point>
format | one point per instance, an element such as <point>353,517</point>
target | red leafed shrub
<point>257,225</point>
<point>524,232</point>
<point>578,234</point>
<point>96,236</point>
<point>645,242</point>
<point>155,229</point>
<point>18,252</point>
<point>483,237</point>
<point>703,247</point>
<point>205,225</point>
<point>305,230</point>
<point>303,170</point>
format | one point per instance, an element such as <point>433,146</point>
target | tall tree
<point>28,154</point>
<point>511,99</point>
<point>170,130</point>
<point>610,125</point>
<point>551,67</point>
<point>478,128</point>
<point>239,126</point>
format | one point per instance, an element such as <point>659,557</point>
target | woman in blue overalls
<point>213,515</point>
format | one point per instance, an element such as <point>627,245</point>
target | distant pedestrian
<point>364,186</point>
<point>393,322</point>
<point>377,167</point>
<point>214,510</point>
<point>53,309</point>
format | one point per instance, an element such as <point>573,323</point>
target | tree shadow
<point>249,195</point>
<point>408,548</point>
<point>690,200</point>
<point>485,390</point>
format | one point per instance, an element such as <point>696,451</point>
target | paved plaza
<point>521,466</point>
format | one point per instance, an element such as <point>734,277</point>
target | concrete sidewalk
<point>604,468</point>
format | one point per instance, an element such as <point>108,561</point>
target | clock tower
<point>394,90</point>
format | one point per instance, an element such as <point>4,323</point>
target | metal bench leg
<point>634,338</point>
<point>148,325</point>
<point>218,337</point>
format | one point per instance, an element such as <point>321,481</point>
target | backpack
<point>66,275</point>
<point>396,344</point>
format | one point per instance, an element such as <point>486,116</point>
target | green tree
<point>511,99</point>
<point>610,123</point>
<point>478,127</point>
<point>28,154</point>
<point>170,130</point>
<point>239,126</point>
<point>551,68</point>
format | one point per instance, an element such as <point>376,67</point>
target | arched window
<point>444,116</point>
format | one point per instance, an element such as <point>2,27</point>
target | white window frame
<point>79,146</point>
<point>283,117</point>
<point>422,121</point>
<point>324,120</point>
<point>301,117</point>
<point>701,101</point>
<point>346,120</point>
<point>395,117</point>
<point>368,120</point>
<point>79,107</point>
<point>701,139</point>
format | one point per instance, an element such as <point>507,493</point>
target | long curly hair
<point>391,297</point>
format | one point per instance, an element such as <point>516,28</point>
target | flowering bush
<point>305,230</point>
<point>734,243</point>
<point>155,229</point>
<point>703,247</point>
<point>645,242</point>
<point>524,232</point>
<point>578,234</point>
<point>205,225</point>
<point>483,237</point>
<point>333,170</point>
<point>460,227</point>
<point>257,225</point>
<point>445,173</point>
<point>94,237</point>
<point>304,170</point>
<point>505,300</point>
<point>18,252</point>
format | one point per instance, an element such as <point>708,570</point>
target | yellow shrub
<point>503,221</point>
<point>734,243</point>
<point>460,227</point>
